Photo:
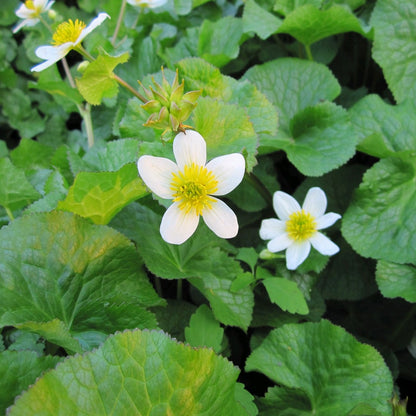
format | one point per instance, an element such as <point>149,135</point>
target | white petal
<point>176,226</point>
<point>271,228</point>
<point>189,147</point>
<point>315,202</point>
<point>279,243</point>
<point>296,254</point>
<point>323,244</point>
<point>94,23</point>
<point>26,22</point>
<point>228,170</point>
<point>221,219</point>
<point>24,13</point>
<point>52,54</point>
<point>156,3</point>
<point>327,220</point>
<point>284,205</point>
<point>156,173</point>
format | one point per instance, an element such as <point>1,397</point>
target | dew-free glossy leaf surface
<point>136,373</point>
<point>333,370</point>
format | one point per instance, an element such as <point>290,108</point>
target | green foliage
<point>322,369</point>
<point>153,374</point>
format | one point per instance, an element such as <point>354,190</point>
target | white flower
<point>298,227</point>
<point>30,11</point>
<point>147,3</point>
<point>191,182</point>
<point>68,35</point>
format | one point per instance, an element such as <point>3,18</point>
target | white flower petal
<point>189,147</point>
<point>24,13</point>
<point>26,22</point>
<point>177,226</point>
<point>284,205</point>
<point>94,23</point>
<point>156,173</point>
<point>323,244</point>
<point>296,254</point>
<point>52,54</point>
<point>221,219</point>
<point>271,228</point>
<point>315,202</point>
<point>228,170</point>
<point>327,220</point>
<point>279,243</point>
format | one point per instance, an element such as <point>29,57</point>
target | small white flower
<point>30,11</point>
<point>298,227</point>
<point>68,35</point>
<point>152,4</point>
<point>191,182</point>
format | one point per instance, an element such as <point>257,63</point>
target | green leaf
<point>394,45</point>
<point>98,80</point>
<point>380,222</point>
<point>397,280</point>
<point>216,122</point>
<point>292,85</point>
<point>383,129</point>
<point>92,275</point>
<point>20,369</point>
<point>286,294</point>
<point>204,330</point>
<point>136,372</point>
<point>211,45</point>
<point>31,155</point>
<point>308,24</point>
<point>15,190</point>
<point>323,139</point>
<point>100,195</point>
<point>258,20</point>
<point>249,256</point>
<point>328,366</point>
<point>199,256</point>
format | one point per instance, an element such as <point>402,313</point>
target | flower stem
<point>179,290</point>
<point>130,88</point>
<point>308,52</point>
<point>259,187</point>
<point>119,20</point>
<point>86,115</point>
<point>9,213</point>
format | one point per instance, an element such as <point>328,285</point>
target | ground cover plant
<point>208,207</point>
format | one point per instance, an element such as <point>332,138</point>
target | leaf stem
<point>9,213</point>
<point>130,88</point>
<point>158,286</point>
<point>86,115</point>
<point>258,185</point>
<point>179,290</point>
<point>119,20</point>
<point>308,52</point>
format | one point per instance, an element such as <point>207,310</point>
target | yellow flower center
<point>68,32</point>
<point>192,188</point>
<point>31,6</point>
<point>300,226</point>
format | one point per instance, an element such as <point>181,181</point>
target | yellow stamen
<point>192,188</point>
<point>68,32</point>
<point>29,4</point>
<point>300,226</point>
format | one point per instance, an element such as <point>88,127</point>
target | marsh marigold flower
<point>192,184</point>
<point>30,11</point>
<point>297,228</point>
<point>68,35</point>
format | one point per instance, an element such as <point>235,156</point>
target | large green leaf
<point>259,20</point>
<point>199,259</point>
<point>57,266</point>
<point>332,371</point>
<point>100,195</point>
<point>136,373</point>
<point>380,222</point>
<point>18,370</point>
<point>383,129</point>
<point>15,190</point>
<point>211,45</point>
<point>394,48</point>
<point>309,24</point>
<point>292,85</point>
<point>397,280</point>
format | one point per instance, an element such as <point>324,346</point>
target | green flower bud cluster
<point>168,106</point>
